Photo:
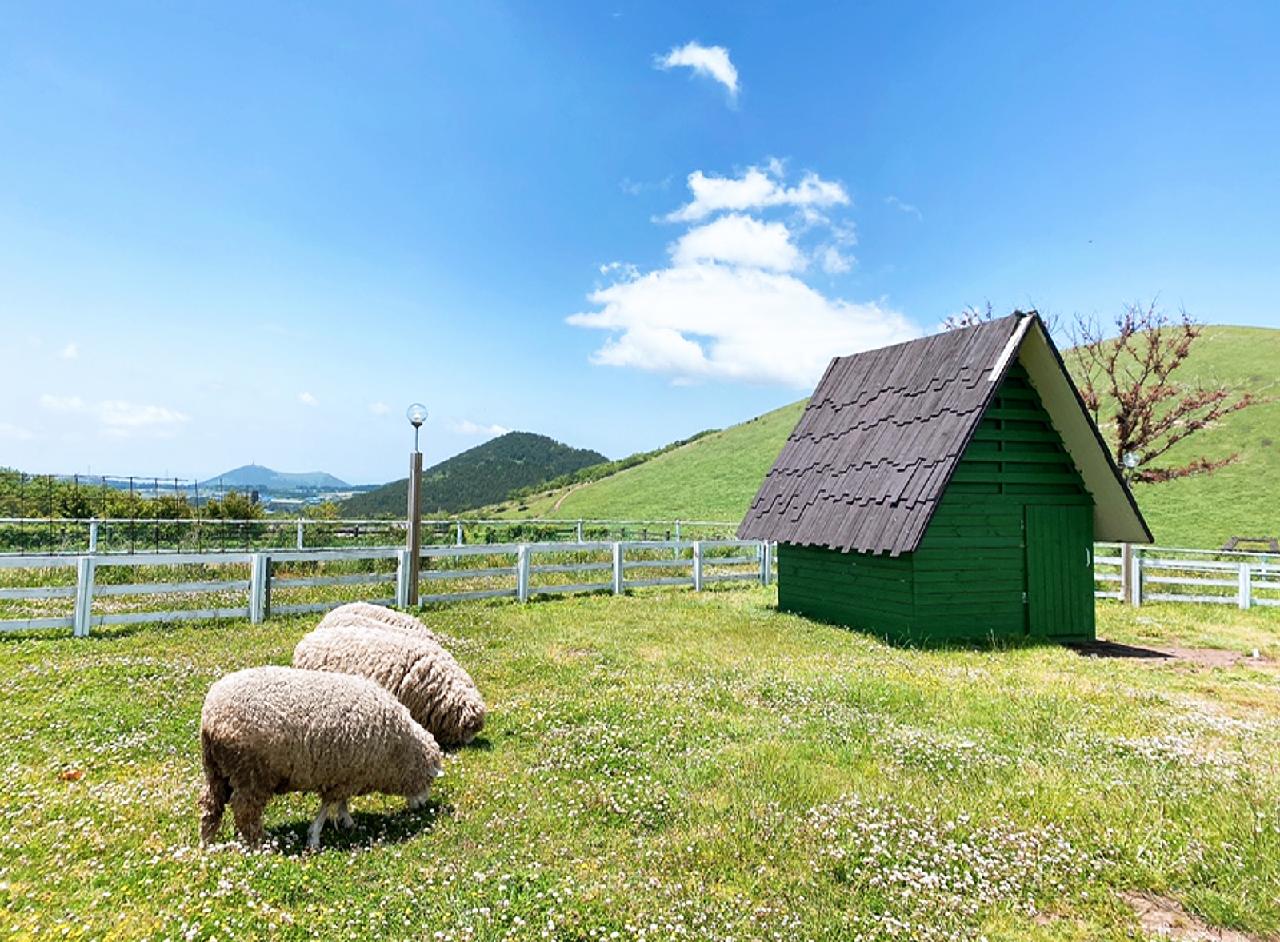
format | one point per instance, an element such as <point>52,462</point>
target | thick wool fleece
<point>417,670</point>
<point>269,730</point>
<point>387,617</point>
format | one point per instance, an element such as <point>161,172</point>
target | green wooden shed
<point>946,489</point>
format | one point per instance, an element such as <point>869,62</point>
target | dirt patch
<point>1198,657</point>
<point>1165,918</point>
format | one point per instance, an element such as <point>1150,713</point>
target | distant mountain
<point>482,475</point>
<point>256,477</point>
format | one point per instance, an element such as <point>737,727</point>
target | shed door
<point>1060,571</point>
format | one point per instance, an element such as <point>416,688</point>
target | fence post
<point>259,587</point>
<point>766,562</point>
<point>93,535</point>
<point>85,567</point>
<point>460,533</point>
<point>402,578</point>
<point>522,573</point>
<point>1135,579</point>
<point>697,565</point>
<point>1244,594</point>
<point>579,531</point>
<point>1126,573</point>
<point>617,569</point>
<point>301,536</point>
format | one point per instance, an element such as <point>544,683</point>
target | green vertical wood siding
<point>968,577</point>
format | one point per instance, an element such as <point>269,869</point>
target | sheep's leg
<point>313,835</point>
<point>212,802</point>
<point>248,806</point>
<point>344,815</point>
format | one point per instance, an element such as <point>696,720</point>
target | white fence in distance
<point>73,536</point>
<point>1201,577</point>
<point>521,576</point>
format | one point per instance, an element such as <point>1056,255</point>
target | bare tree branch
<point>1127,382</point>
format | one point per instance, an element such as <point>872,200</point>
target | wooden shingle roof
<point>876,445</point>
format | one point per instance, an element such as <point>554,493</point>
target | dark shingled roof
<point>874,449</point>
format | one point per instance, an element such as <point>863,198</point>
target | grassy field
<point>673,766</point>
<point>715,478</point>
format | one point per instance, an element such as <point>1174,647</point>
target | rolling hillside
<point>478,476</point>
<point>715,477</point>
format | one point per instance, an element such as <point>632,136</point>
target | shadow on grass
<point>371,829</point>
<point>1113,649</point>
<point>992,644</point>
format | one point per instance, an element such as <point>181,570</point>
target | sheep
<point>269,730</point>
<point>387,617</point>
<point>411,665</point>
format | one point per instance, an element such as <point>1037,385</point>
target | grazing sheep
<point>415,668</point>
<point>270,730</point>
<point>387,617</point>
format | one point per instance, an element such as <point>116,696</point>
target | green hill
<point>715,477</point>
<point>257,477</point>
<point>478,476</point>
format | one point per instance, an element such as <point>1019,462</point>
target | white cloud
<point>119,417</point>
<point>69,352</point>
<point>307,399</point>
<point>708,321</point>
<point>117,413</point>
<point>379,408</point>
<point>15,433</point>
<point>833,261</point>
<point>730,305</point>
<point>62,403</point>
<point>756,189</point>
<point>710,61</point>
<point>739,240</point>
<point>903,207</point>
<point>467,427</point>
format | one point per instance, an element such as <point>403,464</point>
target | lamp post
<point>416,414</point>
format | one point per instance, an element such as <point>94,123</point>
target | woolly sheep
<point>270,730</point>
<point>387,617</point>
<point>416,669</point>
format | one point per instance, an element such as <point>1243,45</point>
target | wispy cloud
<point>467,427</point>
<point>379,408</point>
<point>307,399</point>
<point>756,189</point>
<point>69,352</point>
<point>710,61</point>
<point>903,207</point>
<point>119,417</point>
<point>637,187</point>
<point>15,433</point>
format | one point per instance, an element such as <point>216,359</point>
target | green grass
<point>672,765</point>
<point>715,478</point>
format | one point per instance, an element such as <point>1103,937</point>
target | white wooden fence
<point>1206,577</point>
<point>513,566</point>
<point>190,534</point>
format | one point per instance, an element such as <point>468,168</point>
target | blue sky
<point>234,232</point>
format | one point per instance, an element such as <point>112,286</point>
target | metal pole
<point>414,541</point>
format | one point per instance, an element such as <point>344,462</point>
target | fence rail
<point>87,591</point>
<point>1193,576</point>
<point>74,536</point>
